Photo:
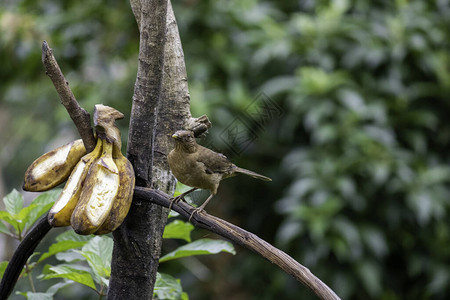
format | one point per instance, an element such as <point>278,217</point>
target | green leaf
<point>71,235</point>
<point>54,288</point>
<point>172,214</point>
<point>98,266</point>
<point>178,230</point>
<point>13,202</point>
<point>22,216</point>
<point>200,247</point>
<point>4,228</point>
<point>35,214</point>
<point>27,216</point>
<point>60,247</point>
<point>102,246</point>
<point>47,197</point>
<point>7,217</point>
<point>36,296</point>
<point>180,188</point>
<point>98,253</point>
<point>167,287</point>
<point>41,205</point>
<point>69,256</point>
<point>68,272</point>
<point>3,266</point>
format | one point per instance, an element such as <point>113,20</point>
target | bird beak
<point>175,136</point>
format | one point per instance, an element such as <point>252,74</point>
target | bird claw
<point>180,197</point>
<point>196,211</point>
<point>176,200</point>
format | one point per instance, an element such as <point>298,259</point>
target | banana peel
<point>53,168</point>
<point>61,212</point>
<point>98,193</point>
<point>124,197</point>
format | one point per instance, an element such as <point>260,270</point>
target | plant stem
<point>30,279</point>
<point>100,293</point>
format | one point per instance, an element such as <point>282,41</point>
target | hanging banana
<point>99,191</point>
<point>61,211</point>
<point>122,201</point>
<point>53,168</point>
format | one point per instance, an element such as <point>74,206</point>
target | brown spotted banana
<point>98,193</point>
<point>124,196</point>
<point>53,168</point>
<point>61,212</point>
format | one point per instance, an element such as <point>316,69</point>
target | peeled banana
<point>98,194</point>
<point>122,201</point>
<point>53,167</point>
<point>61,211</point>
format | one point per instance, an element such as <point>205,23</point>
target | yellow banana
<point>53,167</point>
<point>124,196</point>
<point>98,193</point>
<point>61,211</point>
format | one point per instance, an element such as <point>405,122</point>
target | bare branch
<point>79,116</point>
<point>21,255</point>
<point>243,238</point>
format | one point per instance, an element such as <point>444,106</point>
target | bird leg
<point>201,207</point>
<point>180,197</point>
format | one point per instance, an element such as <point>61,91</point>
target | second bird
<point>200,167</point>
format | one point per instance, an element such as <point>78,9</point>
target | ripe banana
<point>61,211</point>
<point>53,167</point>
<point>97,196</point>
<point>98,193</point>
<point>122,201</point>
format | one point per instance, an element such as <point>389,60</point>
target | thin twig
<point>80,117</point>
<point>241,237</point>
<point>30,279</point>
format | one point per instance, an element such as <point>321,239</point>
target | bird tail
<point>253,174</point>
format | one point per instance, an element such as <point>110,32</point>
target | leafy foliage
<point>199,247</point>
<point>22,218</point>
<point>86,260</point>
<point>167,287</point>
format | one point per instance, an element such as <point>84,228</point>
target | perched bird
<point>200,167</point>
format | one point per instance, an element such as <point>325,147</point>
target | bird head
<point>185,141</point>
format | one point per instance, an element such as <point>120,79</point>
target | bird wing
<point>214,162</point>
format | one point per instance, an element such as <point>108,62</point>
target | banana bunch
<point>99,191</point>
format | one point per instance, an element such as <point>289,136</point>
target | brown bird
<point>200,167</point>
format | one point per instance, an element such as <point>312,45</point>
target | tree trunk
<point>160,107</point>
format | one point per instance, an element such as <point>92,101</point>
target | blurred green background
<point>358,148</point>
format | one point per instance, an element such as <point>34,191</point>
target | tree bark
<point>160,107</point>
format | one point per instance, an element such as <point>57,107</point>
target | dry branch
<point>80,117</point>
<point>241,237</point>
